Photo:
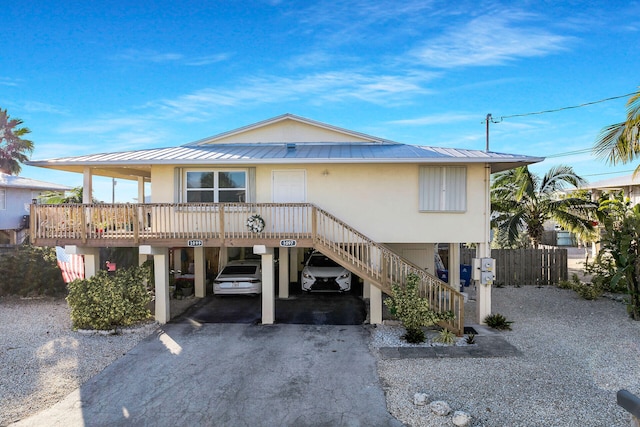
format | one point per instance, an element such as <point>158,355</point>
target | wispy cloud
<point>206,60</point>
<point>331,86</point>
<point>435,119</point>
<point>42,107</point>
<point>490,40</point>
<point>7,81</point>
<point>134,55</point>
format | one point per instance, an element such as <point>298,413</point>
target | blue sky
<point>92,77</point>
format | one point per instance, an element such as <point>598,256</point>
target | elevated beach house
<point>375,206</point>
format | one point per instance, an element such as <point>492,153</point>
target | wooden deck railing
<point>225,224</point>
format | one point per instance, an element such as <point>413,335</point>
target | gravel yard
<point>576,355</point>
<point>43,360</point>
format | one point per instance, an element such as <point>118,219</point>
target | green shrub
<point>107,301</point>
<point>445,337</point>
<point>29,271</point>
<point>412,310</point>
<point>498,321</point>
<point>588,291</point>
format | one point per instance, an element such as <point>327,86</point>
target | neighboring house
<point>375,206</point>
<point>16,196</point>
<point>628,184</point>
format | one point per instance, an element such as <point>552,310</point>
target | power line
<point>568,108</point>
<point>610,173</point>
<point>570,153</point>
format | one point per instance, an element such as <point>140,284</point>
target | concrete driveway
<point>190,373</point>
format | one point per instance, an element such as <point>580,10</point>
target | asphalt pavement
<point>233,374</point>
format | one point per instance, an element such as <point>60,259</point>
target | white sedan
<point>239,277</point>
<point>321,273</point>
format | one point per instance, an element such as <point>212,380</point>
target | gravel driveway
<point>576,355</point>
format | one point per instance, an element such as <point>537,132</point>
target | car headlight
<point>307,276</point>
<point>344,276</point>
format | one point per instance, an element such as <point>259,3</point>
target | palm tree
<point>14,150</point>
<point>620,142</point>
<point>522,202</point>
<point>56,198</point>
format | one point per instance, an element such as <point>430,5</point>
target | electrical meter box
<point>484,270</point>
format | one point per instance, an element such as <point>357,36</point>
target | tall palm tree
<point>620,142</point>
<point>521,201</point>
<point>14,149</point>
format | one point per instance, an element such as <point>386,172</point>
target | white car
<point>321,273</point>
<point>239,277</point>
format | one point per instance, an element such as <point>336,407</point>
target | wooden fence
<point>521,267</point>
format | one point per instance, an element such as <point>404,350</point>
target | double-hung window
<point>443,188</point>
<point>220,186</point>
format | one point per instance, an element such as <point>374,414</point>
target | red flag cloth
<point>72,266</point>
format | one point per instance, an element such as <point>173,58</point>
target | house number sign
<point>194,243</point>
<point>288,243</point>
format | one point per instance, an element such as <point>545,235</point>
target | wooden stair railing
<point>381,266</point>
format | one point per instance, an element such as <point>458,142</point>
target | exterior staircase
<point>382,267</point>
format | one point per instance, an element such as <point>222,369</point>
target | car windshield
<point>321,261</point>
<point>239,270</point>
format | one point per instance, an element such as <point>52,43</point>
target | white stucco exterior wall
<point>379,200</point>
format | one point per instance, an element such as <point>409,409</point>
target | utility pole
<point>488,121</point>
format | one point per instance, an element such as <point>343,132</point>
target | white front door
<point>289,186</point>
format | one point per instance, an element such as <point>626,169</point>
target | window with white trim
<point>220,186</point>
<point>3,199</point>
<point>443,188</point>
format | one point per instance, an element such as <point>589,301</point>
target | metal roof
<point>291,153</point>
<point>13,181</point>
<point>617,182</point>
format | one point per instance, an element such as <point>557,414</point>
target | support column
<point>91,258</point>
<point>161,276</point>
<point>87,185</point>
<point>283,279</point>
<point>177,260</point>
<point>199,272</point>
<point>268,288</point>
<point>140,189</point>
<point>294,263</point>
<point>223,257</point>
<point>366,290</point>
<point>483,292</point>
<point>454,265</point>
<point>375,304</point>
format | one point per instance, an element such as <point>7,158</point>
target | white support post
<point>454,265</point>
<point>87,185</point>
<point>375,304</point>
<point>200,272</point>
<point>161,276</point>
<point>268,287</point>
<point>366,290</point>
<point>483,292</point>
<point>140,189</point>
<point>283,279</point>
